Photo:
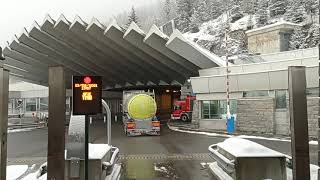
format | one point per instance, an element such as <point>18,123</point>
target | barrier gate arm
<point>107,108</point>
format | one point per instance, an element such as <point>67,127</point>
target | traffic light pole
<point>4,94</point>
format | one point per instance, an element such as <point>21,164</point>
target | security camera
<point>1,56</point>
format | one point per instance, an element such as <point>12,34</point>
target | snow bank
<point>16,171</point>
<point>228,136</point>
<point>21,130</point>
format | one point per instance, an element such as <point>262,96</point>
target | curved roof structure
<point>124,58</point>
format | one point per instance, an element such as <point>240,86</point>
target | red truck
<point>183,109</point>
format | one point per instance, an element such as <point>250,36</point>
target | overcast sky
<point>16,14</point>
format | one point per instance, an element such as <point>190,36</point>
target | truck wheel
<point>184,118</point>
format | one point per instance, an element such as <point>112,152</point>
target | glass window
<point>255,93</point>
<point>216,109</point>
<point>31,104</point>
<point>44,104</point>
<point>312,92</point>
<point>281,99</point>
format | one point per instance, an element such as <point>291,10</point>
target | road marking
<point>192,156</point>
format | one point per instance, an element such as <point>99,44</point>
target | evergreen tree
<point>262,13</point>
<point>311,7</point>
<point>185,11</point>
<point>200,15</point>
<point>236,12</point>
<point>215,8</point>
<point>277,7</point>
<point>167,10</point>
<point>296,12</point>
<point>249,6</point>
<point>313,38</point>
<point>132,18</point>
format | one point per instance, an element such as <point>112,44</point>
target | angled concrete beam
<point>157,40</point>
<point>60,30</point>
<point>104,56</point>
<point>193,52</point>
<point>96,31</point>
<point>51,54</point>
<point>114,33</point>
<point>134,36</point>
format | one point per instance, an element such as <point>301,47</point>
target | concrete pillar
<point>4,93</point>
<point>299,122</point>
<point>56,124</point>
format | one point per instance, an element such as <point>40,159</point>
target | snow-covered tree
<point>249,6</point>
<point>296,12</point>
<point>215,8</point>
<point>132,17</point>
<point>313,38</point>
<point>200,15</point>
<point>262,12</point>
<point>277,7</point>
<point>311,7</point>
<point>297,39</point>
<point>167,10</point>
<point>185,11</point>
<point>235,11</point>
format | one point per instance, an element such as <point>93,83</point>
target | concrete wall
<point>259,115</point>
<point>264,43</point>
<point>256,115</point>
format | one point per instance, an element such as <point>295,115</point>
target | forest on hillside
<point>205,21</point>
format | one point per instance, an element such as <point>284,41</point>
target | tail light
<point>131,125</point>
<point>156,123</point>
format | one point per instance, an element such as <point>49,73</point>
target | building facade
<point>259,93</point>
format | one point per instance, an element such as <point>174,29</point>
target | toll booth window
<point>31,105</point>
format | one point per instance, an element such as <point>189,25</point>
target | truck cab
<point>183,109</point>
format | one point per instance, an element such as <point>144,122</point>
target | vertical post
<point>86,150</point>
<point>4,91</point>
<point>299,122</point>
<point>56,127</point>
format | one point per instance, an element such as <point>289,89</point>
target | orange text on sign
<point>86,96</point>
<point>86,87</point>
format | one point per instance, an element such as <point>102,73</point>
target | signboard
<point>86,95</point>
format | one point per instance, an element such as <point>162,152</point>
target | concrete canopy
<point>123,58</point>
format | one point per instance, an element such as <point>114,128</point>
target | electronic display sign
<point>87,94</point>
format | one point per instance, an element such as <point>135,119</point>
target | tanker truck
<point>139,113</point>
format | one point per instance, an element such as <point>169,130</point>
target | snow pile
<point>16,171</point>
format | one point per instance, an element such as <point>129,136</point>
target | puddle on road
<point>167,170</point>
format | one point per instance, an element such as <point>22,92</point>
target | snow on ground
<point>160,169</point>
<point>239,136</point>
<point>20,130</point>
<point>16,171</point>
<point>313,172</point>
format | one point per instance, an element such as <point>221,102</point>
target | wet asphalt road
<point>173,155</point>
